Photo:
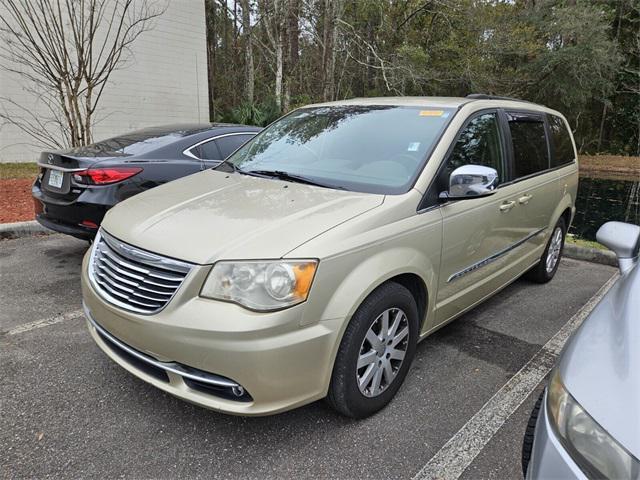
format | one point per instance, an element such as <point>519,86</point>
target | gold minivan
<point>312,261</point>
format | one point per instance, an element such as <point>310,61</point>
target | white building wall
<point>163,82</point>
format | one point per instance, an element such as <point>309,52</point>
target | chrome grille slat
<point>118,269</point>
<point>157,292</point>
<point>157,284</point>
<point>110,281</point>
<point>113,257</point>
<point>108,272</point>
<point>112,290</point>
<point>146,297</point>
<point>134,279</point>
<point>101,261</point>
<point>125,263</point>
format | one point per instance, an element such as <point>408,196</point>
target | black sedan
<point>76,187</point>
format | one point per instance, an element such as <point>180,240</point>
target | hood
<point>600,366</point>
<point>214,215</point>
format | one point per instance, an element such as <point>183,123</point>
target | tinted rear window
<point>209,151</point>
<point>530,154</point>
<point>231,143</point>
<point>561,140</point>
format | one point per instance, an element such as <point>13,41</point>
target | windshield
<point>375,149</point>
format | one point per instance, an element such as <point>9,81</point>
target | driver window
<point>478,144</point>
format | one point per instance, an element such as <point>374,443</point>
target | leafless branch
<point>66,50</point>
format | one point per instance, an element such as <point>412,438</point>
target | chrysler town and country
<point>311,262</point>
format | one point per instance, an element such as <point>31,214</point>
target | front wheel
<point>546,269</point>
<point>375,353</point>
<point>529,435</point>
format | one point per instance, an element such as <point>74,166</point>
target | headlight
<point>590,446</point>
<point>261,285</point>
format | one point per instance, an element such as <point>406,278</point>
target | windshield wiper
<point>281,175</point>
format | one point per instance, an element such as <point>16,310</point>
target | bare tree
<point>65,52</point>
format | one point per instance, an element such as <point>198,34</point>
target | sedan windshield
<point>376,149</point>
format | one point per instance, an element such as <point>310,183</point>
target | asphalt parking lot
<point>66,410</point>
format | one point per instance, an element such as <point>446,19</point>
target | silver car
<point>588,421</point>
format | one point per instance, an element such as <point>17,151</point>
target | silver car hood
<point>600,365</point>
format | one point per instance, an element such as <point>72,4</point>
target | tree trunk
<point>329,37</point>
<point>279,69</point>
<point>249,75</point>
<point>293,46</point>
<point>286,101</point>
<point>280,16</point>
<point>602,122</point>
<point>326,46</point>
<point>210,21</point>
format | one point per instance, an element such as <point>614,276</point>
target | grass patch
<point>584,243</point>
<point>18,170</point>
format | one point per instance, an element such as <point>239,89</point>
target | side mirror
<point>623,239</point>
<point>471,181</point>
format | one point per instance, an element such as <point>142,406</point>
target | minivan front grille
<point>131,278</point>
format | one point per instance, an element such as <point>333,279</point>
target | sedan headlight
<point>261,285</point>
<point>591,447</point>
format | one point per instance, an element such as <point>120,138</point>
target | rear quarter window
<point>530,151</point>
<point>563,152</point>
<point>231,143</point>
<point>209,151</point>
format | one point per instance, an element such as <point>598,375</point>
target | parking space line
<point>461,449</point>
<point>45,322</point>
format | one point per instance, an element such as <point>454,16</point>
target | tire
<point>529,433</point>
<point>540,273</point>
<point>353,391</point>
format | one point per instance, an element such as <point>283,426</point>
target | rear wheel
<point>546,269</point>
<point>375,353</point>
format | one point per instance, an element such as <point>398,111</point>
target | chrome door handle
<point>506,206</point>
<point>523,200</point>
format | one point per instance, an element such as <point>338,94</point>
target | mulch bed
<point>16,204</point>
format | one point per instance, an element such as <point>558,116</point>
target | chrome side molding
<point>494,257</point>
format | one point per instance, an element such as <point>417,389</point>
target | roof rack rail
<point>484,96</point>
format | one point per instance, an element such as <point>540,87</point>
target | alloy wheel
<point>555,248</point>
<point>382,352</point>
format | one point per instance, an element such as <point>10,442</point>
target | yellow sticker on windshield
<point>431,113</point>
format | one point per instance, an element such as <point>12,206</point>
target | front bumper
<point>279,364</point>
<point>549,459</point>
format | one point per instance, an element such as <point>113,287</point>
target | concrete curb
<point>605,257</point>
<point>22,229</point>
